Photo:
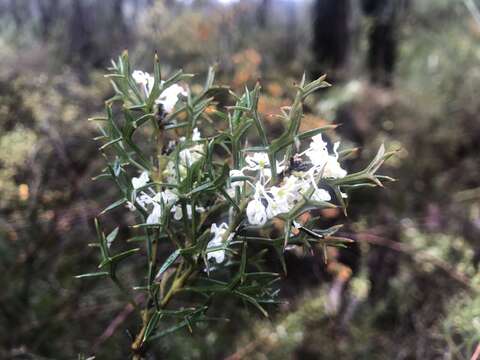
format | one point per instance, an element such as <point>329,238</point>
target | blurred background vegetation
<point>405,72</point>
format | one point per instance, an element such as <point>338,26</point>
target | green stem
<point>181,277</point>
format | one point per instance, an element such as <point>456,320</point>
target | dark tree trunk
<point>291,35</point>
<point>262,13</point>
<point>15,7</point>
<point>382,41</point>
<point>331,35</point>
<point>48,10</point>
<point>81,46</point>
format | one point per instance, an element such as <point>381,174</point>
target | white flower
<point>131,206</point>
<point>317,142</point>
<point>319,194</point>
<point>143,200</point>
<point>256,212</point>
<point>332,167</point>
<point>278,204</point>
<point>142,180</point>
<point>190,155</point>
<point>284,197</point>
<point>317,152</point>
<point>145,80</point>
<point>260,161</point>
<point>196,136</point>
<point>257,161</point>
<point>185,157</point>
<point>169,97</point>
<point>322,161</point>
<point>218,233</point>
<point>155,215</point>
<point>170,172</point>
<point>156,204</point>
<point>178,212</point>
<point>167,196</point>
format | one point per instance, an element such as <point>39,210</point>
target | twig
<point>116,322</point>
<point>244,351</point>
<point>476,354</point>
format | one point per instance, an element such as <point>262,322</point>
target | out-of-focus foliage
<point>198,36</point>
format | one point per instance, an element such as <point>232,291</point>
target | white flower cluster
<point>218,234</point>
<point>270,201</point>
<point>156,203</point>
<point>169,96</point>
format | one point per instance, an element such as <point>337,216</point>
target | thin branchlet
<point>207,197</point>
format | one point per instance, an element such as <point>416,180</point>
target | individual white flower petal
<point>185,157</point>
<point>218,230</point>
<point>218,255</point>
<point>256,212</point>
<point>190,155</point>
<point>335,148</point>
<point>321,195</point>
<point>169,97</point>
<point>317,156</point>
<point>143,200</point>
<point>317,151</point>
<point>142,180</point>
<point>130,206</point>
<point>218,233</point>
<point>279,202</point>
<point>196,136</point>
<point>150,82</point>
<point>257,161</point>
<point>177,212</point>
<point>145,80</point>
<point>169,197</point>
<point>318,194</point>
<point>280,167</point>
<point>140,77</point>
<point>333,169</point>
<point>155,215</point>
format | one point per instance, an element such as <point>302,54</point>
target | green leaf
<point>170,260</point>
<point>101,240</point>
<point>91,275</point>
<point>142,120</point>
<point>119,257</point>
<point>151,326</point>
<point>113,206</point>
<point>169,330</point>
<point>114,141</point>
<point>243,262</point>
<point>111,237</point>
<point>252,301</point>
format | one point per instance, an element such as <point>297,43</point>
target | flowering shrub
<point>212,196</point>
